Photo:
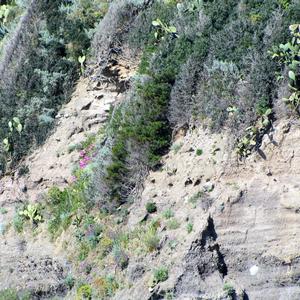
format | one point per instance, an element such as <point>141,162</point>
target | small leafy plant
<point>32,213</point>
<point>151,239</point>
<point>173,224</point>
<point>162,29</point>
<point>191,6</point>
<point>18,223</point>
<point>189,227</point>
<point>194,199</point>
<point>81,60</point>
<point>69,281</point>
<point>13,125</point>
<point>120,257</point>
<point>176,147</point>
<point>159,275</point>
<point>151,207</point>
<point>3,210</point>
<point>229,289</point>
<point>199,152</point>
<point>84,292</point>
<point>247,142</point>
<point>168,214</point>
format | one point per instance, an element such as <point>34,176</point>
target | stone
<point>253,270</point>
<point>208,187</point>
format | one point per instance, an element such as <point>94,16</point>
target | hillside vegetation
<point>221,65</point>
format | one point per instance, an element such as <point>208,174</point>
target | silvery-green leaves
<point>6,145</point>
<point>81,60</point>
<point>292,75</point>
<point>163,28</point>
<point>13,125</point>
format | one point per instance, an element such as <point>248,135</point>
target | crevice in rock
<point>245,296</point>
<point>203,259</point>
<point>209,233</point>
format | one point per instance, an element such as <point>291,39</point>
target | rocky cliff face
<point>31,261</point>
<point>151,185</point>
<point>245,226</point>
<point>244,215</point>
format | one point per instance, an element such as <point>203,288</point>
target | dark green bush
<point>199,152</point>
<point>151,207</point>
<point>161,274</point>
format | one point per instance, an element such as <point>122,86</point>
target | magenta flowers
<point>86,156</point>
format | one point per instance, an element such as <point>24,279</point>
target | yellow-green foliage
<point>32,213</point>
<point>63,205</point>
<point>84,292</point>
<point>151,239</point>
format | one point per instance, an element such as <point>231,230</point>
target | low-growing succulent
<point>32,213</point>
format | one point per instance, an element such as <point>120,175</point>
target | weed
<point>173,224</point>
<point>151,239</point>
<point>62,204</point>
<point>12,294</point>
<point>199,152</point>
<point>229,289</point>
<point>120,257</point>
<point>169,296</point>
<point>3,210</point>
<point>18,223</point>
<point>84,292</point>
<point>106,286</point>
<point>32,212</point>
<point>176,147</point>
<point>151,207</point>
<point>160,275</point>
<point>173,244</point>
<point>84,250</point>
<point>168,213</point>
<point>106,245</point>
<point>194,199</point>
<point>69,281</point>
<point>189,227</point>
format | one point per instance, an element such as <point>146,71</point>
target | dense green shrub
<point>239,35</point>
<point>39,65</point>
<point>161,274</point>
<point>84,292</point>
<point>151,207</point>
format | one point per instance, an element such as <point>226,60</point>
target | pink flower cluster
<point>85,156</point>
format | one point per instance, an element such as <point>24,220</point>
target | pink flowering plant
<point>86,156</point>
<point>85,164</point>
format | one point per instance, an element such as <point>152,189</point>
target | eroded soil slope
<point>245,218</point>
<point>31,261</point>
<point>234,223</point>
